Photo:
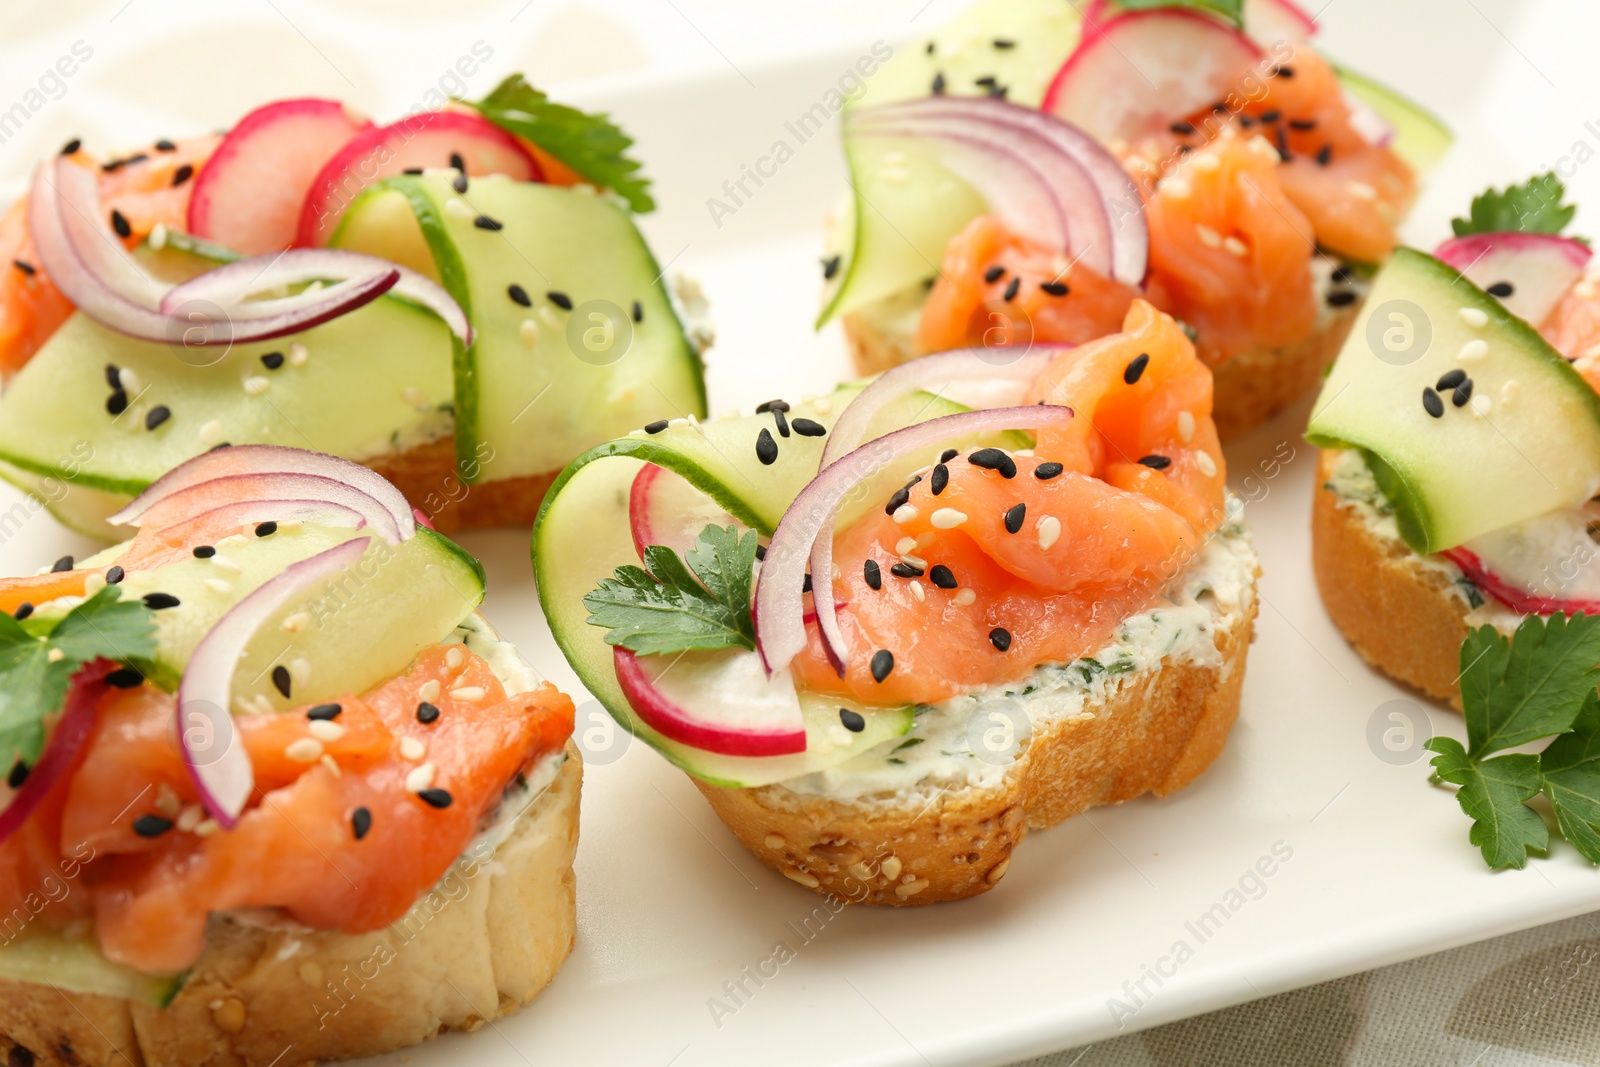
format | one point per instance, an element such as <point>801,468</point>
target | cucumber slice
<point>364,626</point>
<point>1527,443</point>
<point>47,958</point>
<point>1420,138</point>
<point>530,397</point>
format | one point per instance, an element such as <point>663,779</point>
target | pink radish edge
<point>664,716</point>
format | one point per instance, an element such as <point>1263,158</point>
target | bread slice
<point>1404,614</point>
<point>484,942</point>
<point>1150,731</point>
<point>426,474</point>
<point>1249,389</point>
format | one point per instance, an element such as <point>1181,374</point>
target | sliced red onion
<point>61,748</point>
<point>179,506</point>
<point>217,760</point>
<point>1044,177</point>
<point>780,608</point>
<point>86,225</point>
<point>271,459</point>
<point>230,284</point>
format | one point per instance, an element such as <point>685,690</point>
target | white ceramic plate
<point>1117,920</point>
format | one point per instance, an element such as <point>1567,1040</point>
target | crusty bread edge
<point>485,941</point>
<point>1156,733</point>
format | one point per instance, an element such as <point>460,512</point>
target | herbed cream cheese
<point>971,740</point>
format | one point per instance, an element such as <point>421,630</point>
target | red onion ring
<point>179,506</point>
<point>65,742</point>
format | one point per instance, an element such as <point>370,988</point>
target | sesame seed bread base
<point>1249,389</point>
<point>426,475</point>
<point>1403,618</point>
<point>1156,733</point>
<point>261,996</point>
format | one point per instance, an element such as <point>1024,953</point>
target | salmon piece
<point>1230,253</point>
<point>1573,329</point>
<point>1090,546</point>
<point>145,193</point>
<point>967,305</point>
<point>14,592</point>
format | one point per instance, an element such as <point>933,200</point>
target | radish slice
<point>721,702</point>
<point>433,139</point>
<point>217,492</point>
<point>1545,566</point>
<point>1144,70</point>
<point>249,194</point>
<point>217,760</point>
<point>230,284</point>
<point>1040,175</point>
<point>270,459</point>
<point>664,509</point>
<point>61,749</point>
<point>780,606</point>
<point>1269,22</point>
<point>1528,272</point>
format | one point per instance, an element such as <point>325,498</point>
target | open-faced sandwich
<point>459,300</point>
<point>1027,173</point>
<point>1461,430</point>
<point>276,793</point>
<point>1026,610</point>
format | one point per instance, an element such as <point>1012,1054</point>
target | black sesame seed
<point>942,576</point>
<point>19,773</point>
<point>905,570</point>
<point>1014,516</point>
<point>519,295</point>
<point>638,311</point>
<point>151,825</point>
<point>204,552</point>
<point>1281,140</point>
<point>115,575</point>
<point>1219,108</point>
<point>1501,289</point>
<point>938,84</point>
<point>281,681</point>
<point>994,274</point>
<point>1245,121</point>
<point>1271,116</point>
<point>71,146</point>
<point>267,529</point>
<point>156,416</point>
<point>272,360</point>
<point>1450,379</point>
<point>1462,394</point>
<point>457,162</point>
<point>874,576</point>
<point>427,713</point>
<point>412,171</point>
<point>896,502</point>
<point>805,584</point>
<point>182,174</point>
<point>1185,149</point>
<point>830,267</point>
<point>165,145</point>
<point>1341,298</point>
<point>484,222</point>
<point>1000,638</point>
<point>119,222</point>
<point>125,678</point>
<point>1012,287</point>
<point>117,403</point>
<point>985,82</point>
<point>324,712</point>
<point>1182,128</point>
<point>1155,462</point>
<point>852,720</point>
<point>560,299</point>
<point>1135,368</point>
<point>436,798</point>
<point>929,49</point>
<point>808,428</point>
<point>1002,43</point>
<point>1432,404</point>
<point>766,448</point>
<point>1303,124</point>
<point>949,454</point>
<point>780,422</point>
<point>882,664</point>
<point>1045,471</point>
<point>1055,288</point>
<point>24,609</point>
<point>939,479</point>
<point>761,552</point>
<point>360,823</point>
<point>62,564</point>
<point>1284,72</point>
<point>1339,274</point>
<point>995,460</point>
<point>1325,155</point>
<point>459,183</point>
<point>772,405</point>
<point>113,376</point>
<point>24,266</point>
<point>655,427</point>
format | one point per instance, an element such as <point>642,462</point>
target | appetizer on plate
<point>1025,175</point>
<point>1461,431</point>
<point>276,792</point>
<point>459,300</point>
<point>1027,610</point>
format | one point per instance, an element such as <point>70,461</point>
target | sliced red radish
<point>218,492</point>
<point>1528,272</point>
<point>217,760</point>
<point>1144,70</point>
<point>664,509</point>
<point>1269,22</point>
<point>433,139</point>
<point>1545,566</point>
<point>61,748</point>
<point>721,702</point>
<point>248,196</point>
<point>1042,176</point>
<point>269,459</point>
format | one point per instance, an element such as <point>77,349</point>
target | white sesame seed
<point>549,317</point>
<point>414,396</point>
<point>1208,237</point>
<point>917,592</point>
<point>1049,531</point>
<point>429,690</point>
<point>1024,453</point>
<point>1236,247</point>
<point>469,692</point>
<point>802,877</point>
<point>1362,191</point>
<point>914,561</point>
<point>332,765</point>
<point>822,405</point>
<point>218,585</point>
<point>1205,161</point>
<point>460,208</point>
<point>412,749</point>
<point>905,544</point>
<point>891,868</point>
<point>189,818</point>
<point>325,730</point>
<point>1475,317</point>
<point>529,332</point>
<point>775,841</point>
<point>454,658</point>
<point>167,802</point>
<point>256,385</point>
<point>55,655</point>
<point>421,778</point>
<point>211,432</point>
<point>295,623</point>
<point>206,828</point>
<point>158,236</point>
<point>904,514</point>
<point>1176,188</point>
<point>223,563</point>
<point>1509,391</point>
<point>1206,464</point>
<point>1258,144</point>
<point>305,750</point>
<point>1473,350</point>
<point>1481,405</point>
<point>947,518</point>
<point>132,384</point>
<point>963,597</point>
<point>298,355</point>
<point>300,670</point>
<point>840,736</point>
<point>1186,426</point>
<point>93,584</point>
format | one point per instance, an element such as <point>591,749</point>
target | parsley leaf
<point>1494,794</point>
<point>1531,686</point>
<point>669,606</point>
<point>591,145</point>
<point>1534,207</point>
<point>1232,10</point>
<point>1571,771</point>
<point>33,685</point>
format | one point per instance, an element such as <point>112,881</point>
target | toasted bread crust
<point>427,475</point>
<point>1155,734</point>
<point>1249,389</point>
<point>1401,617</point>
<point>479,946</point>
